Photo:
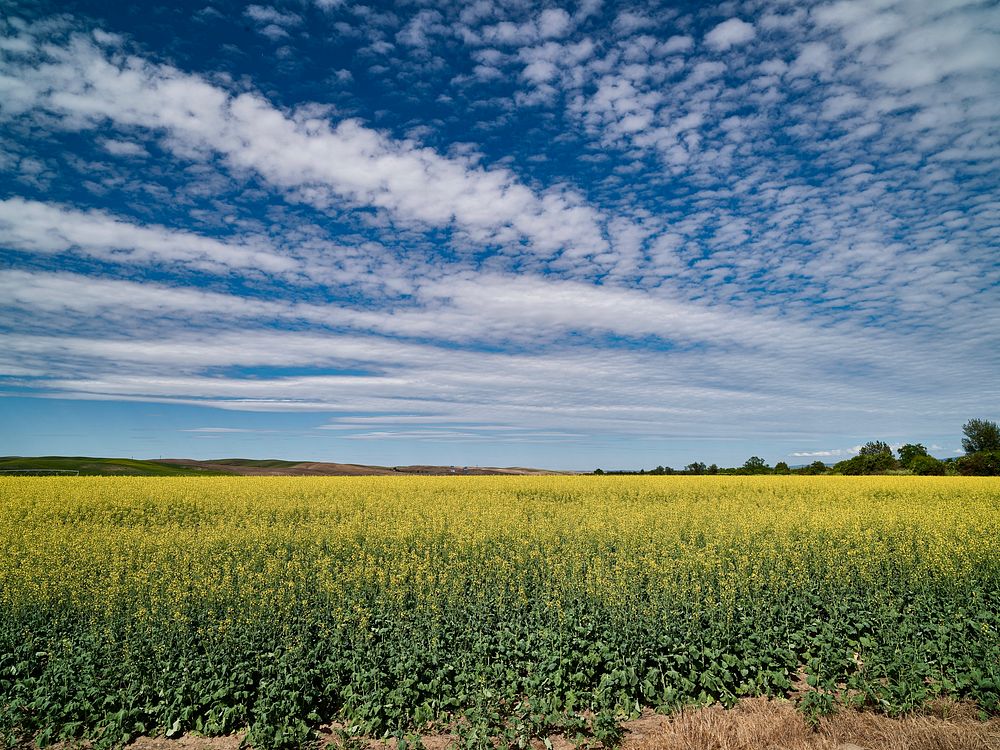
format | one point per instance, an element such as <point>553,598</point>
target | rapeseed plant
<point>132,605</point>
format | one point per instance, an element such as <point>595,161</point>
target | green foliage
<point>755,465</point>
<point>980,435</point>
<point>926,466</point>
<point>820,699</point>
<point>782,468</point>
<point>816,467</point>
<point>875,449</point>
<point>874,457</point>
<point>982,448</point>
<point>852,466</point>
<point>981,464</point>
<point>909,452</point>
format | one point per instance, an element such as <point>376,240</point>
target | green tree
<point>782,468</point>
<point>875,448</point>
<point>980,435</point>
<point>925,465</point>
<point>713,469</point>
<point>817,467</point>
<point>979,464</point>
<point>875,456</point>
<point>909,452</point>
<point>755,465</point>
<point>695,467</point>
<point>851,466</point>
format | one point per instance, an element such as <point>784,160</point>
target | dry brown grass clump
<point>759,724</point>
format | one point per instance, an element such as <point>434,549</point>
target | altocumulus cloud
<point>585,229</point>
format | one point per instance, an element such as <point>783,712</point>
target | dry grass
<point>754,724</point>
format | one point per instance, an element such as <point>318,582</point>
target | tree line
<point>981,445</point>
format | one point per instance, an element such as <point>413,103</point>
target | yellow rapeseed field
<point>526,602</point>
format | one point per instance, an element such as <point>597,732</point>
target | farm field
<point>485,607</point>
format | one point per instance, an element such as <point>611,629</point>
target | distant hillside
<point>274,467</point>
<point>89,466</point>
<point>178,467</point>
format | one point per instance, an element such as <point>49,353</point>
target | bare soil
<point>754,724</point>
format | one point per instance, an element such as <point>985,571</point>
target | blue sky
<point>580,235</point>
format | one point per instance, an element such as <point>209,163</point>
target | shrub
<point>927,466</point>
<point>981,464</point>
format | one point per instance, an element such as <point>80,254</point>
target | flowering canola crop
<point>489,605</point>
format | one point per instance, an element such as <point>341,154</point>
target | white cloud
<point>705,71</point>
<point>570,389</point>
<point>49,297</point>
<point>540,71</point>
<point>867,103</point>
<point>677,44</point>
<point>421,28</point>
<point>814,57</point>
<point>729,34</point>
<point>553,23</point>
<point>273,32</point>
<point>587,8</point>
<point>628,22</point>
<point>305,156</point>
<point>220,430</point>
<point>519,312</point>
<point>271,22</point>
<point>123,148</point>
<point>263,14</point>
<point>33,227</point>
<point>507,33</point>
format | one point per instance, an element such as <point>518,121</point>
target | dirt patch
<point>189,742</point>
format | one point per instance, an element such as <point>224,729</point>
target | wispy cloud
<point>86,84</point>
<point>35,227</point>
<point>271,22</point>
<point>219,430</point>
